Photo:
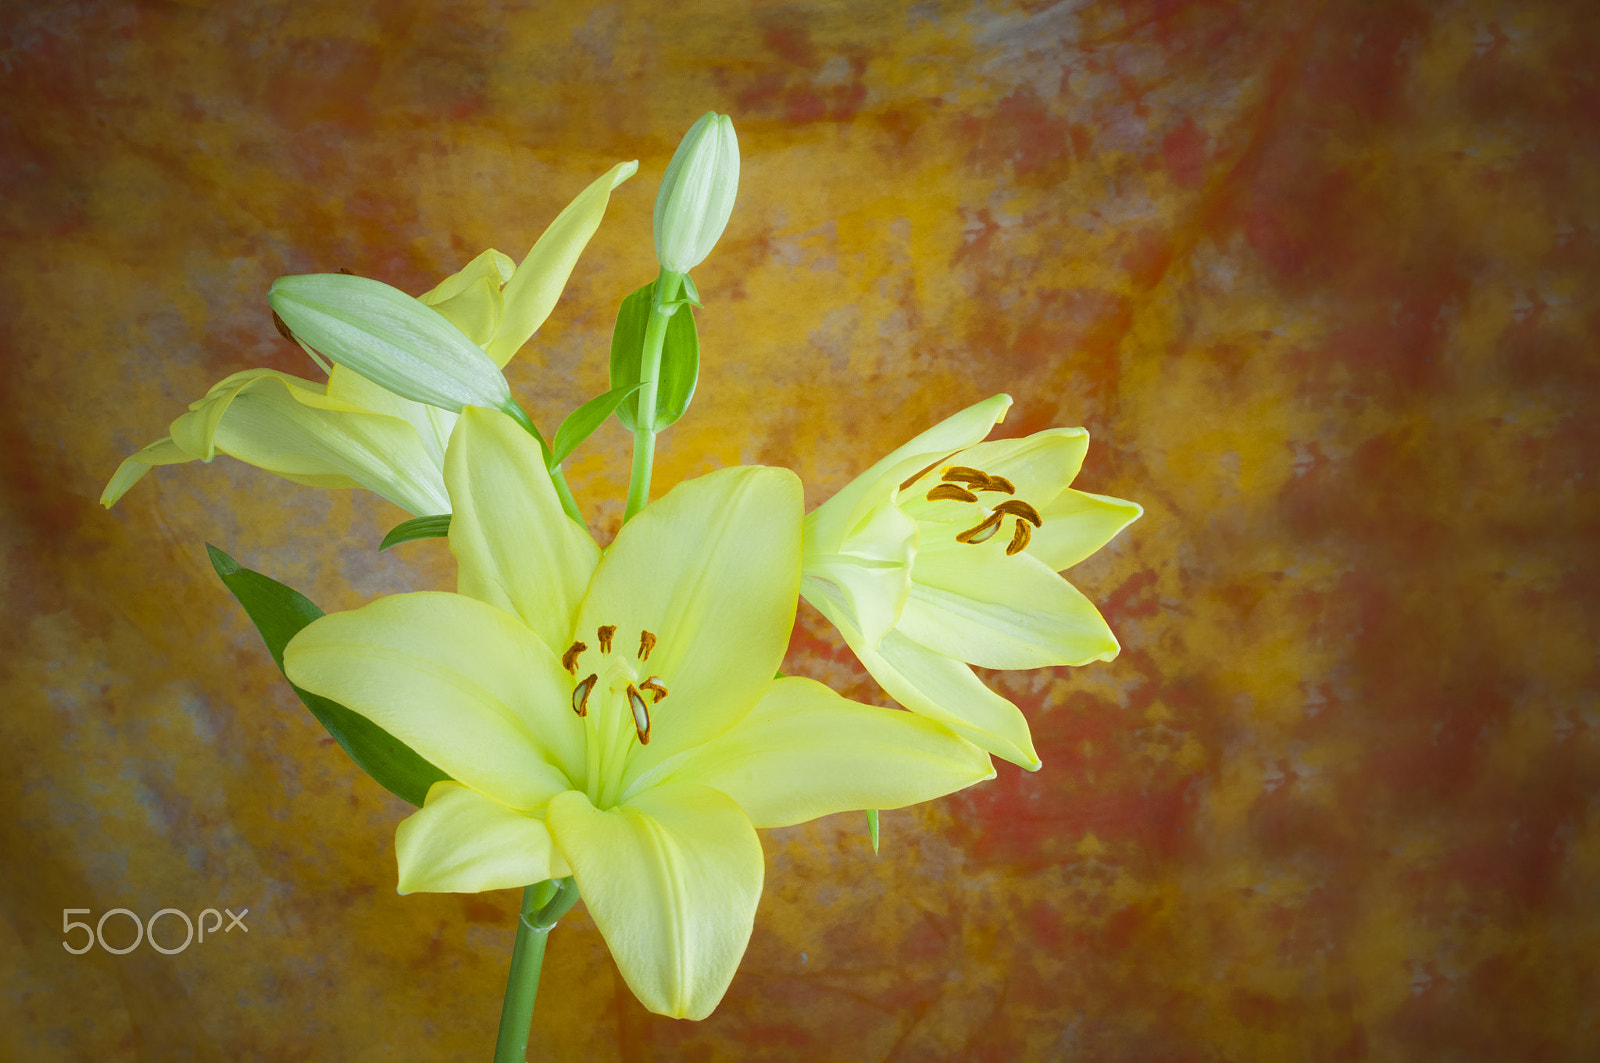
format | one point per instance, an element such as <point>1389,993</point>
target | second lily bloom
<point>945,554</point>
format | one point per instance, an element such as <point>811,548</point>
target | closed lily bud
<point>390,338</point>
<point>697,193</point>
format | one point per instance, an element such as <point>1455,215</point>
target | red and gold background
<point>1319,278</point>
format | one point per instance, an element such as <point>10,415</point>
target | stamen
<point>658,689</point>
<point>983,532</point>
<point>998,483</point>
<point>569,660</point>
<point>641,715</point>
<point>283,328</point>
<point>1019,539</point>
<point>1018,508</point>
<point>605,632</point>
<point>965,474</point>
<point>919,474</point>
<point>647,642</point>
<point>580,695</point>
<point>952,492</point>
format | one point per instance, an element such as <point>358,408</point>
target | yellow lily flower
<point>352,432</point>
<point>945,554</point>
<point>614,717</point>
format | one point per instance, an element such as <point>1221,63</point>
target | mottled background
<point>1319,278</point>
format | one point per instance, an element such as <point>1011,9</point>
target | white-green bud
<point>389,338</point>
<point>697,193</point>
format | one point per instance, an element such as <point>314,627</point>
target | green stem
<point>644,436</point>
<point>564,493</point>
<point>543,903</point>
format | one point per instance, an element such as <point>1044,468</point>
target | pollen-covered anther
<point>982,532</point>
<point>1018,508</point>
<point>283,329</point>
<point>998,483</point>
<point>657,688</point>
<point>953,492</point>
<point>569,660</point>
<point>647,642</point>
<point>580,694</point>
<point>641,714</point>
<point>604,633</point>
<point>964,474</point>
<point>1019,539</point>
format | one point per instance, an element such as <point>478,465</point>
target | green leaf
<point>279,612</point>
<point>872,827</point>
<point>433,527</point>
<point>680,359</point>
<point>581,423</point>
<point>691,293</point>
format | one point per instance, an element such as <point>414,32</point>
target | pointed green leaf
<point>436,526</point>
<point>582,422</point>
<point>279,612</point>
<point>680,359</point>
<point>691,293</point>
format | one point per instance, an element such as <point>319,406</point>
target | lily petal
<point>292,428</point>
<point>1039,466</point>
<point>462,842</point>
<point>493,266</point>
<point>433,424</point>
<point>712,569</point>
<point>945,690</point>
<point>516,548</point>
<point>162,452</point>
<point>532,291</point>
<point>870,574</point>
<point>1000,612</point>
<point>293,431</point>
<point>672,880</point>
<point>466,685</point>
<point>836,518</point>
<point>470,299</point>
<point>1076,524</point>
<point>805,752</point>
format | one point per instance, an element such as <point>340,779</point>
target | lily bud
<point>390,338</point>
<point>697,193</point>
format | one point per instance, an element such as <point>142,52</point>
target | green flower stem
<point>644,437</point>
<point>563,492</point>
<point>543,903</point>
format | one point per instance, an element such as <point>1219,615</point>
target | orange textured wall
<point>1318,277</point>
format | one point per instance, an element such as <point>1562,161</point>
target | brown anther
<point>982,533</point>
<point>919,474</point>
<point>641,714</point>
<point>647,642</point>
<point>605,632</point>
<point>657,688</point>
<point>283,329</point>
<point>998,483</point>
<point>580,695</point>
<point>964,474</point>
<point>953,492</point>
<point>1018,508</point>
<point>1019,539</point>
<point>569,660</point>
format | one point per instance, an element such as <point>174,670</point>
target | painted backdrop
<point>1318,277</point>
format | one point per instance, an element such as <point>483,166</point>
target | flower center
<point>961,483</point>
<point>613,672</point>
